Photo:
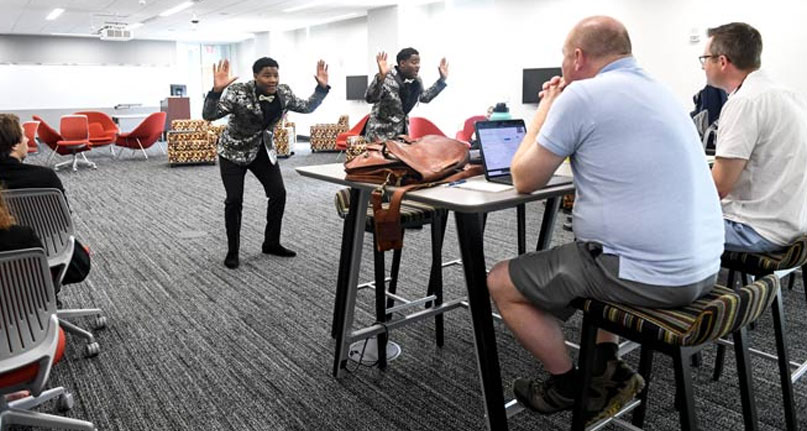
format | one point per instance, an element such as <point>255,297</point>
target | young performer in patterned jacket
<point>394,92</point>
<point>254,108</point>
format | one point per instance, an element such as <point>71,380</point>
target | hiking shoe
<point>610,391</point>
<point>543,397</point>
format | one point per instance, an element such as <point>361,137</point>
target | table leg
<point>521,222</point>
<point>469,231</point>
<point>548,223</point>
<point>344,264</point>
<point>347,285</point>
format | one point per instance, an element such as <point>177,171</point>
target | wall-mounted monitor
<point>356,87</point>
<point>533,80</point>
<point>178,90</point>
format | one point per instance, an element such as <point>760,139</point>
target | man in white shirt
<point>761,150</point>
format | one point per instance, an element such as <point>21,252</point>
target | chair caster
<point>92,350</point>
<point>65,402</point>
<point>100,322</point>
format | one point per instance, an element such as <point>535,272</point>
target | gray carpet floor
<point>191,345</point>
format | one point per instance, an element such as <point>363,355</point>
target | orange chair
<point>103,131</point>
<point>144,135</point>
<point>341,139</point>
<point>75,131</point>
<point>420,127</point>
<point>30,132</point>
<point>467,131</point>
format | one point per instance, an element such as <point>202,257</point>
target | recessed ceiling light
<point>303,7</point>
<point>54,14</point>
<point>176,9</point>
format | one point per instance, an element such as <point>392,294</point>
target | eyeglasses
<point>703,58</point>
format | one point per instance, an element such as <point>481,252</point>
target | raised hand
<point>221,76</point>
<point>381,60</point>
<point>443,68</point>
<point>322,74</point>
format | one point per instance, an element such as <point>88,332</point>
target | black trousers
<point>232,175</point>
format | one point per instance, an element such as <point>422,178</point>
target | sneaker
<point>543,397</point>
<point>610,391</point>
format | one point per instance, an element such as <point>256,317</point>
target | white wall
<point>488,43</point>
<point>80,87</point>
<point>343,46</point>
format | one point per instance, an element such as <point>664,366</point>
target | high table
<point>469,206</point>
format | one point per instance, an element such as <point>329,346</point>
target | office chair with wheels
<point>46,212</point>
<point>50,137</point>
<point>31,342</point>
<point>75,131</point>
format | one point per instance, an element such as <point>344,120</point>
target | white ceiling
<point>219,20</point>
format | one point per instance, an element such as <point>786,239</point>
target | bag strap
<point>387,222</point>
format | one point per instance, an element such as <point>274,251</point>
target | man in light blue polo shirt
<point>647,214</point>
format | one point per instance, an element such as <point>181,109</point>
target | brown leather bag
<point>407,165</point>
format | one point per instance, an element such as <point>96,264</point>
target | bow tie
<point>269,98</point>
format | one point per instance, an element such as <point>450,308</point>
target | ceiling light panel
<point>176,9</point>
<point>55,13</point>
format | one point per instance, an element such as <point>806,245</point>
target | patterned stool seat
<point>765,263</point>
<point>714,315</point>
<point>412,213</point>
<point>679,333</point>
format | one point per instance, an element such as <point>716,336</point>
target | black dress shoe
<point>231,261</point>
<point>278,250</point>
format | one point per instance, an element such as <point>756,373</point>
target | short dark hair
<point>263,62</point>
<point>10,133</point>
<point>405,53</point>
<point>739,42</point>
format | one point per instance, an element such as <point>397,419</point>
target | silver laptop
<point>498,143</point>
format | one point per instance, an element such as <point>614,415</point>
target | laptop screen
<point>499,141</point>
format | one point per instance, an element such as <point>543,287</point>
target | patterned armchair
<point>285,136</point>
<point>323,136</point>
<point>355,146</point>
<point>192,141</point>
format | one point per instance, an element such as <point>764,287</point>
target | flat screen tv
<point>178,90</point>
<point>533,80</point>
<point>356,87</point>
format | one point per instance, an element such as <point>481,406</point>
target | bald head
<point>600,37</point>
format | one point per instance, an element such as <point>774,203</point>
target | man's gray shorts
<point>551,279</point>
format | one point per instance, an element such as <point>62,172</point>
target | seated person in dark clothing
<point>14,174</point>
<point>13,149</point>
<point>12,236</point>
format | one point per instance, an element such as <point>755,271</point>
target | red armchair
<point>420,127</point>
<point>29,127</point>
<point>467,131</point>
<point>144,135</point>
<point>103,131</point>
<point>341,139</point>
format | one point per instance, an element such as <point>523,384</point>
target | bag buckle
<point>382,188</point>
